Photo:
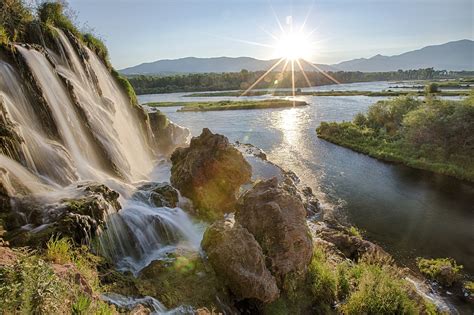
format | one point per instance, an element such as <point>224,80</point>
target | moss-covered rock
<point>443,270</point>
<point>183,279</point>
<point>210,172</point>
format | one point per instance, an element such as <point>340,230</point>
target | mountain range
<point>455,55</point>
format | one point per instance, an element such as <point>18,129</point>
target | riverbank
<point>227,105</point>
<point>423,135</point>
<point>389,93</point>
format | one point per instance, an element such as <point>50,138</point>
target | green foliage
<point>432,88</point>
<point>4,40</point>
<point>323,279</point>
<point>14,19</point>
<point>53,13</point>
<point>436,135</point>
<point>354,231</point>
<point>82,305</point>
<point>228,105</point>
<point>58,250</point>
<point>145,84</point>
<point>31,287</point>
<point>443,270</point>
<point>378,290</point>
<point>96,45</point>
<point>125,84</point>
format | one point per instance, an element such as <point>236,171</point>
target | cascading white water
<point>97,127</point>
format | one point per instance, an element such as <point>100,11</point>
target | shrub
<point>444,270</point>
<point>378,290</point>
<point>31,287</point>
<point>58,250</point>
<point>14,18</point>
<point>360,119</point>
<point>354,231</point>
<point>53,13</point>
<point>431,88</point>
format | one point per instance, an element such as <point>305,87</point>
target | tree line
<point>194,82</point>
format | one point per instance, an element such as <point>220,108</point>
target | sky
<point>137,31</point>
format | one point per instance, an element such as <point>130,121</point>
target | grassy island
<point>434,135</point>
<point>227,105</point>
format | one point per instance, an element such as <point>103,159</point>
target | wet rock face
<point>167,135</point>
<point>210,172</point>
<point>238,259</point>
<point>277,220</point>
<point>79,218</point>
<point>159,194</point>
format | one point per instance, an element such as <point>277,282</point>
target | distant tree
<point>431,88</point>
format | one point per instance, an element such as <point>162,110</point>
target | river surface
<point>409,212</point>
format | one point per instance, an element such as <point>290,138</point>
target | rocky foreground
<point>261,252</point>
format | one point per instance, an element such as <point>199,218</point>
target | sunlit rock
<point>210,172</point>
<point>277,220</point>
<point>238,259</point>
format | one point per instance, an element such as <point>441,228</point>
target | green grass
<point>229,93</point>
<point>227,105</point>
<point>31,285</point>
<point>58,250</point>
<point>377,289</point>
<point>443,270</point>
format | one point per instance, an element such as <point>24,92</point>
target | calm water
<point>411,213</point>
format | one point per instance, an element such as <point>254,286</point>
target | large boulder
<point>210,172</point>
<point>238,259</point>
<point>277,220</point>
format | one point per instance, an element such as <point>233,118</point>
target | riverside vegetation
<point>227,105</point>
<point>70,246</point>
<point>430,134</point>
<point>194,82</point>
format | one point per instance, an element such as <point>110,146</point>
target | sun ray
<point>263,76</point>
<point>304,73</point>
<point>244,41</point>
<point>322,72</point>
<point>276,17</point>
<point>269,33</point>
<point>293,80</point>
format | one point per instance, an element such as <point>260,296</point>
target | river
<point>411,213</point>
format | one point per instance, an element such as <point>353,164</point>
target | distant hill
<point>456,55</point>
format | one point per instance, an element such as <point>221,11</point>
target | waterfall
<point>100,138</point>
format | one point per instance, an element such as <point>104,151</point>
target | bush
<point>14,18</point>
<point>442,270</point>
<point>378,290</point>
<point>53,13</point>
<point>431,88</point>
<point>31,287</point>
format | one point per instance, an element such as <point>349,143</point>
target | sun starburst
<point>295,47</point>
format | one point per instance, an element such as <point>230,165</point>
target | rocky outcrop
<point>167,135</point>
<point>277,220</point>
<point>80,218</point>
<point>209,172</point>
<point>238,259</point>
<point>347,245</point>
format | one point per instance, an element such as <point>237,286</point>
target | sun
<point>293,46</point>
